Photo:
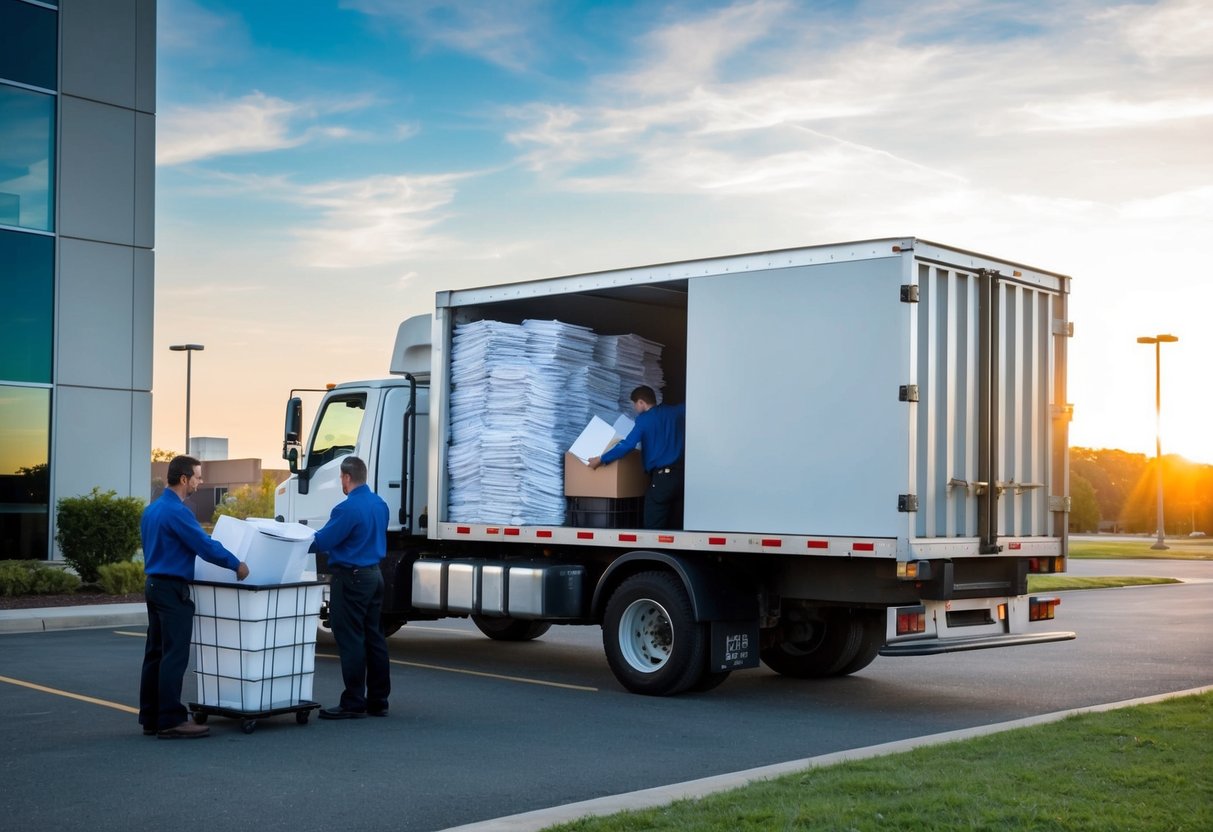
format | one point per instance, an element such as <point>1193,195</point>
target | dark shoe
<point>377,711</point>
<point>185,731</point>
<point>148,731</point>
<point>341,713</point>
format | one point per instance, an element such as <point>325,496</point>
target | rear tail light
<point>1041,566</point>
<point>911,620</point>
<point>1042,609</point>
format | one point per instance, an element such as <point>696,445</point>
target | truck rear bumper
<point>935,646</point>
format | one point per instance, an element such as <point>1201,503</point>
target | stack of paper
<point>520,396</point>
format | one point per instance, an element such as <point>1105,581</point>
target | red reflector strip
<point>1015,545</point>
<point>492,530</point>
<point>863,547</point>
<point>585,535</point>
<point>665,538</point>
<point>772,541</point>
<point>463,530</point>
<point>627,538</point>
<point>543,533</point>
<point>512,532</point>
<point>819,544</point>
<point>716,541</point>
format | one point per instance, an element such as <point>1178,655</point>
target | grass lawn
<point>1147,768</point>
<point>1180,549</point>
<point>1056,583</point>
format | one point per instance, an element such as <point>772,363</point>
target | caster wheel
<point>248,726</point>
<point>200,719</point>
<point>301,717</point>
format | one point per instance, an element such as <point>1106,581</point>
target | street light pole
<point>1158,341</point>
<point>188,349</point>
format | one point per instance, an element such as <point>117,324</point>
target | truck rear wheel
<point>652,642</point>
<point>840,642</point>
<point>510,629</point>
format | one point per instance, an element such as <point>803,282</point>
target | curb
<point>663,795</point>
<point>73,618</point>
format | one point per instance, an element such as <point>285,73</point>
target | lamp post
<point>1158,341</point>
<point>188,349</point>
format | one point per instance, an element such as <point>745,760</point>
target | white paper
<point>623,426</point>
<point>593,441</point>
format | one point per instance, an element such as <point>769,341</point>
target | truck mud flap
<point>734,645</point>
<point>935,646</point>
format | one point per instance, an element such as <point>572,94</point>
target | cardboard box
<point>621,478</point>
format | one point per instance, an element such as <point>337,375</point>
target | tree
<point>248,500</point>
<point>161,455</point>
<point>1084,508</point>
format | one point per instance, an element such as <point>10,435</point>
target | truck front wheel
<point>510,629</point>
<point>652,642</point>
<point>839,642</point>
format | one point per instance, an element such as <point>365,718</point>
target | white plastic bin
<point>276,553</point>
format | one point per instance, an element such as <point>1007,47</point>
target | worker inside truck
<point>661,431</point>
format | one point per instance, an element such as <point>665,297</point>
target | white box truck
<point>876,460</point>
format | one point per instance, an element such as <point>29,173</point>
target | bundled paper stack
<point>520,396</point>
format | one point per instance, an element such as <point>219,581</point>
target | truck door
<point>990,431</point>
<point>402,462</point>
<point>335,436</point>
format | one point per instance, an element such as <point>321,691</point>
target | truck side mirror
<point>291,432</point>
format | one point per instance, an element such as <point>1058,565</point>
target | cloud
<point>255,123</point>
<point>501,33</point>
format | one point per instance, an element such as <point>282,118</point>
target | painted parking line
<point>68,694</point>
<point>481,673</point>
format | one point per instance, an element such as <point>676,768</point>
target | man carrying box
<point>171,540</point>
<point>660,429</point>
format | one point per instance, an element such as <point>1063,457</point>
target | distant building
<point>204,448</point>
<point>77,188</point>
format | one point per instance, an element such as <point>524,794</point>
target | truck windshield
<point>337,429</point>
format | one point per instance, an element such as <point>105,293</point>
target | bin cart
<point>255,650</point>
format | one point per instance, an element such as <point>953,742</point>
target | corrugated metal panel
<point>952,322</point>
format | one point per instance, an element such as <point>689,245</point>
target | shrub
<point>97,529</point>
<point>247,501</point>
<point>121,578</point>
<point>32,577</point>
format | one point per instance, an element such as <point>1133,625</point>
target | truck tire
<point>842,642</point>
<point>510,629</point>
<point>652,642</point>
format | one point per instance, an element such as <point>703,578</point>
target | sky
<point>323,168</point>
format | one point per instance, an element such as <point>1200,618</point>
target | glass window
<point>25,418</point>
<point>27,281</point>
<point>28,41</point>
<point>27,152</point>
<point>337,430</point>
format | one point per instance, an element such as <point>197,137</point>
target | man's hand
<point>595,462</point>
<point>242,572</point>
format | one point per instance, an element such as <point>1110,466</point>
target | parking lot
<point>481,729</point>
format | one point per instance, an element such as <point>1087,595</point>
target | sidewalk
<point>73,618</point>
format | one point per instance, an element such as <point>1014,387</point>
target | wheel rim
<point>646,637</point>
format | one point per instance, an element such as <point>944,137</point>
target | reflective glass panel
<point>27,281</point>
<point>337,430</point>
<point>25,418</point>
<point>27,151</point>
<point>28,40</point>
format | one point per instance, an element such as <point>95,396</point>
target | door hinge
<point>907,393</point>
<point>1059,503</point>
<point>907,502</point>
<point>909,293</point>
<point>1061,327</point>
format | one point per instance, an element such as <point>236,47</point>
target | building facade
<point>77,199</point>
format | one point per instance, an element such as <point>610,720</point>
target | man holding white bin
<point>172,538</point>
<point>355,538</point>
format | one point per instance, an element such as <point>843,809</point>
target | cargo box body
<point>895,390</point>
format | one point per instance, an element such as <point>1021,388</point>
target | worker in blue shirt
<point>355,538</point>
<point>661,431</point>
<point>172,538</point>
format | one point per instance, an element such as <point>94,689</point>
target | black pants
<point>170,622</point>
<point>355,602</point>
<point>663,499</point>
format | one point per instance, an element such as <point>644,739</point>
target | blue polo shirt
<point>662,432</point>
<point>172,538</point>
<point>356,533</point>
